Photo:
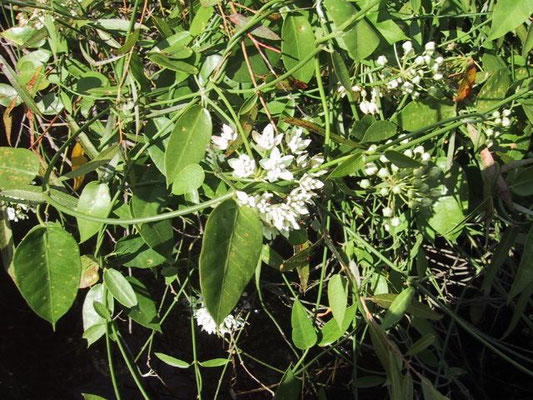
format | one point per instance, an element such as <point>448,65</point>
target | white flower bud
<point>387,212</point>
<point>383,172</point>
<point>365,184</point>
<point>506,112</point>
<point>407,47</point>
<point>382,61</point>
<point>395,221</point>
<point>371,169</point>
<point>496,114</point>
<point>396,189</point>
<point>383,191</point>
<point>430,47</point>
<point>506,122</point>
<point>438,76</point>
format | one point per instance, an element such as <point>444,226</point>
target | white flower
<point>416,80</point>
<point>395,221</point>
<point>418,150</point>
<point>383,158</point>
<point>295,142</point>
<point>11,215</point>
<point>384,191</point>
<point>396,189</point>
<point>387,212</point>
<point>368,107</point>
<point>438,76</point>
<point>308,183</point>
<point>267,140</point>
<point>426,156</point>
<point>243,167</point>
<point>371,169</point>
<point>383,172</point>
<point>506,112</point>
<point>382,61</point>
<point>496,114</point>
<point>276,166</point>
<point>372,149</point>
<point>489,132</point>
<point>282,217</point>
<point>208,324</point>
<point>506,122</point>
<point>393,84</point>
<point>365,184</point>
<point>227,136</point>
<point>244,199</point>
<point>439,60</point>
<point>430,47</point>
<point>317,160</point>
<point>419,60</point>
<point>408,87</point>
<point>407,48</point>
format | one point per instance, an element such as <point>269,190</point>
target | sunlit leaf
<point>95,200</point>
<point>47,268</point>
<point>298,42</point>
<point>18,166</point>
<point>119,287</point>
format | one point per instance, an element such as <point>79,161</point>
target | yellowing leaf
<point>78,159</point>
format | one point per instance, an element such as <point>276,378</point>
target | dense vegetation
<point>291,199</point>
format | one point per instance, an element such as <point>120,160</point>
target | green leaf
<point>132,251</point>
<point>494,90</point>
<point>401,160</point>
<point>214,362</point>
<point>231,248</point>
<point>88,396</point>
<point>8,94</point>
<point>528,43</point>
<point>384,23</point>
<point>522,184</point>
<point>379,131</point>
<point>92,321</point>
<point>260,31</point>
<point>30,194</point>
<point>145,312</point>
<point>131,40</point>
<point>149,199</point>
<point>524,275</point>
<point>188,141</point>
<point>298,42</point>
<point>303,332</point>
<point>172,361</point>
<point>200,20</point>
<point>18,166</point>
<point>330,332</point>
<point>508,15</point>
<point>419,114</point>
<point>398,308</point>
<point>188,179</point>
<point>341,71</point>
<point>50,104</point>
<point>290,386</point>
<point>337,298</point>
<point>360,39</point>
<point>12,77</point>
<point>369,381</point>
<point>95,200</point>
<point>430,393</point>
<point>350,166</point>
<point>421,344</point>
<point>47,269</point>
<point>415,308</point>
<point>173,65</point>
<point>120,288</point>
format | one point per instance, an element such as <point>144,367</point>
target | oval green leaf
<point>337,298</point>
<point>419,114</point>
<point>190,178</point>
<point>17,167</point>
<point>303,332</point>
<point>95,200</point>
<point>188,141</point>
<point>508,15</point>
<point>47,269</point>
<point>298,43</point>
<point>360,39</point>
<point>120,288</point>
<point>379,131</point>
<point>494,90</point>
<point>172,361</point>
<point>214,362</point>
<point>401,160</point>
<point>231,248</point>
<point>398,308</point>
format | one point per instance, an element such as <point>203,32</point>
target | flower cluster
<point>410,186</point>
<point>208,324</point>
<point>413,73</point>
<point>18,212</point>
<point>284,156</point>
<point>495,124</point>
